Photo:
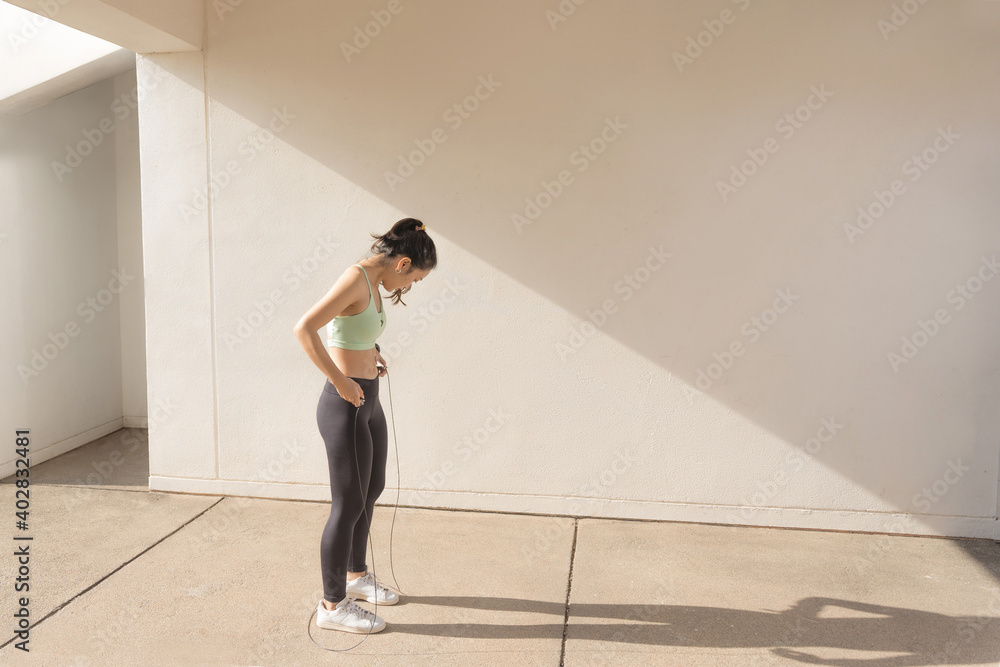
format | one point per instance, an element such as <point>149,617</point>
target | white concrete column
<point>131,315</point>
<point>176,230</point>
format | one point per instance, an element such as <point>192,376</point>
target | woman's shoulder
<point>351,281</point>
<point>353,272</point>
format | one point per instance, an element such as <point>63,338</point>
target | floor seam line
<point>53,611</point>
<point>569,587</point>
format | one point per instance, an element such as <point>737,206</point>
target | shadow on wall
<point>798,201</point>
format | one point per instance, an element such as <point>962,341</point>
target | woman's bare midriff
<point>355,363</point>
<point>358,363</point>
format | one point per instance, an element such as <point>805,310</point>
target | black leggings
<point>345,537</point>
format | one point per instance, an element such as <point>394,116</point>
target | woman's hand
<point>351,392</point>
<point>379,360</point>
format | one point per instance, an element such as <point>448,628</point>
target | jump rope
<point>364,506</point>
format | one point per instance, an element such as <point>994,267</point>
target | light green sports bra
<point>359,331</point>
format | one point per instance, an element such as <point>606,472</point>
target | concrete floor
<point>124,576</point>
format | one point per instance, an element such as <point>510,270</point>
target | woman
<point>402,256</point>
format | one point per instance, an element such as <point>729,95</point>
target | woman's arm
<point>320,356</point>
<point>345,291</point>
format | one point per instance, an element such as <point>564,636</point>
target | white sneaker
<point>349,617</point>
<point>366,588</point>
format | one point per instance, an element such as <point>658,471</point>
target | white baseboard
<point>900,523</point>
<point>36,456</point>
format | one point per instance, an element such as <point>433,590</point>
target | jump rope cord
<point>364,501</point>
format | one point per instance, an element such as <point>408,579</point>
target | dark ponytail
<point>407,238</point>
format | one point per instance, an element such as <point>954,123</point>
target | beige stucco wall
<point>72,336</point>
<point>649,342</point>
